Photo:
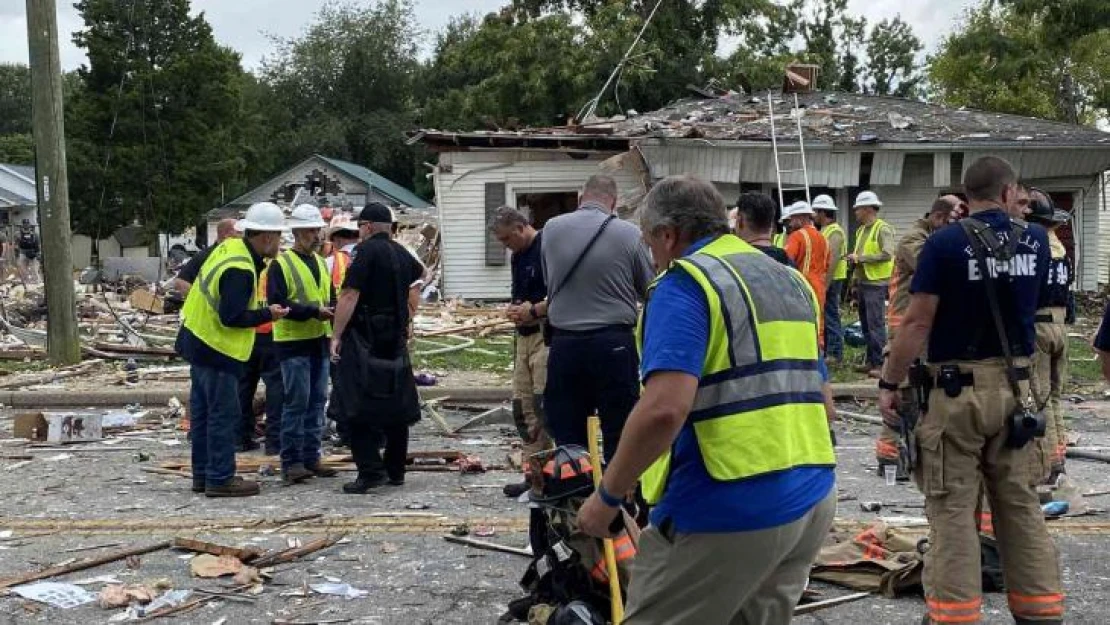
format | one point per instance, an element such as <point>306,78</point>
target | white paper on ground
<point>56,594</point>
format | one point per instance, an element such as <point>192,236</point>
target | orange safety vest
<point>268,327</point>
<point>340,262</point>
<point>810,253</point>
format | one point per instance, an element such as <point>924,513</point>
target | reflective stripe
<point>773,382</point>
<point>623,551</point>
<point>302,290</point>
<point>869,246</point>
<point>809,251</point>
<point>954,611</point>
<point>886,450</point>
<point>837,255</point>
<point>205,281</point>
<point>201,312</point>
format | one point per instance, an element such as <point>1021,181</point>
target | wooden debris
<point>289,555</point>
<point>488,546</point>
<point>90,548</point>
<point>81,565</point>
<point>243,554</point>
<point>828,603</point>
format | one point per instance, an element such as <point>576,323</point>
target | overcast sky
<point>245,24</point>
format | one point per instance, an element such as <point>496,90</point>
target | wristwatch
<point>887,386</point>
<point>608,498</point>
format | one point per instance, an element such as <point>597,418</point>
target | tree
<point>155,127</point>
<point>346,85</point>
<point>17,149</point>
<point>892,51</point>
<point>1012,58</point>
<point>15,99</point>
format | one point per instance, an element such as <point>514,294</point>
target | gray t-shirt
<point>611,280</point>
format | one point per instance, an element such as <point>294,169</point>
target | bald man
<point>225,229</point>
<point>945,209</point>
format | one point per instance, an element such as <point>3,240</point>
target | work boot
<point>319,470</point>
<point>246,446</point>
<point>198,485</point>
<point>235,487</point>
<point>516,489</point>
<point>295,474</point>
<point>363,485</point>
<point>396,481</point>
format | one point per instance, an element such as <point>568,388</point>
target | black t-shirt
<point>527,270</point>
<point>964,327</point>
<point>190,270</point>
<point>371,274</point>
<point>776,253</point>
<point>1102,341</point>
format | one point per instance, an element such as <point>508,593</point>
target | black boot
<point>363,485</point>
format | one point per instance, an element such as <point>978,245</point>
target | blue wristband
<point>607,498</point>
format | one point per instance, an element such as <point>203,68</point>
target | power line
<point>591,106</point>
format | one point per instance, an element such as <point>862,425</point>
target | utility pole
<point>48,126</point>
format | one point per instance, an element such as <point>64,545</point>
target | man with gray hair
<point>729,439</point>
<point>597,270</point>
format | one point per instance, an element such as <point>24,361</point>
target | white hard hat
<point>801,208</point>
<point>824,202</point>
<point>262,217</point>
<point>867,198</point>
<point>306,216</point>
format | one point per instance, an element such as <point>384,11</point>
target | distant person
<point>1102,344</point>
<point>873,260</point>
<point>597,269</point>
<point>755,224</point>
<point>810,253</point>
<point>187,275</point>
<point>29,250</point>
<point>826,211</point>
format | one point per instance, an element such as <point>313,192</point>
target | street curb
<point>159,397</point>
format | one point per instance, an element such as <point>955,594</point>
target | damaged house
<point>906,151</point>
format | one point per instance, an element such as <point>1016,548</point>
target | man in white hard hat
<point>825,210</point>
<point>779,240</point>
<point>873,261</point>
<point>217,337</point>
<point>299,279</point>
<point>809,252</point>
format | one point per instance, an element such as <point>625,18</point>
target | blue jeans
<point>872,319</point>
<point>302,419</point>
<point>213,424</point>
<point>834,331</point>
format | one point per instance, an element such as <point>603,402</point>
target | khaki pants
<point>740,578</point>
<point>962,450</point>
<point>529,380</point>
<point>1050,370</point>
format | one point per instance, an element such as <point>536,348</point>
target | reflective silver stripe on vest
<point>206,280</point>
<point>757,385</point>
<point>298,282</point>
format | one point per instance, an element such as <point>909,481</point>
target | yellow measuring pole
<point>593,430</point>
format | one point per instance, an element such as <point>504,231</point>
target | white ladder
<point>799,153</point>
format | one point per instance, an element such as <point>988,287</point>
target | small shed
<point>909,152</point>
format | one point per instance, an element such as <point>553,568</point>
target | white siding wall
<point>1104,230</point>
<point>903,204</point>
<point>460,197</point>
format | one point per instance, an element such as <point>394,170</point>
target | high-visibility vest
<point>839,253</point>
<point>869,246</point>
<point>779,240</point>
<point>759,407</point>
<point>202,306</point>
<point>306,290</point>
<point>340,261</point>
<point>260,295</point>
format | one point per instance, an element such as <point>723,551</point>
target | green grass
<point>1082,370</point>
<point>493,354</point>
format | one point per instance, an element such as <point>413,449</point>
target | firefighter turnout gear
<point>761,345</point>
<point>1050,361</point>
<point>202,306</point>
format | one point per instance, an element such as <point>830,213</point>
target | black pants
<point>594,372</point>
<point>263,365</point>
<point>335,411</point>
<point>367,441</point>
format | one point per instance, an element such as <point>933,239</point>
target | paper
<point>55,594</point>
<point>58,457</point>
<point>119,420</point>
<point>339,590</point>
<point>207,565</point>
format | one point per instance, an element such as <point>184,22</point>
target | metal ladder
<point>800,152</point>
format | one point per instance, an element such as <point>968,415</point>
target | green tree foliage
<point>15,99</point>
<point>892,51</point>
<point>345,87</point>
<point>160,104</point>
<point>1049,60</point>
<point>17,149</point>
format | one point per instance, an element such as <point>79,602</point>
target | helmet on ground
<point>567,472</point>
<point>824,202</point>
<point>868,198</point>
<point>576,613</point>
<point>262,217</point>
<point>306,216</point>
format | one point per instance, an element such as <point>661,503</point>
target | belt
<point>602,330</point>
<point>967,379</point>
<point>528,330</point>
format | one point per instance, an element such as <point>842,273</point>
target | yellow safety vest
<point>202,307</point>
<point>869,246</point>
<point>307,291</point>
<point>839,253</point>
<point>759,407</point>
<point>779,240</point>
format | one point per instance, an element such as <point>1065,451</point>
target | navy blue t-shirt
<point>964,327</point>
<point>527,271</point>
<point>1102,341</point>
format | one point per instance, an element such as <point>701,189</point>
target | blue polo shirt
<point>963,328</point>
<point>676,338</point>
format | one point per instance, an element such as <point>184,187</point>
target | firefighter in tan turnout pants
<point>1050,363</point>
<point>973,434</point>
<point>943,211</point>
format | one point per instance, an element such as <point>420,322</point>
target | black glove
<point>832,436</point>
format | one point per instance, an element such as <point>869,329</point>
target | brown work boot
<point>295,474</point>
<point>235,487</point>
<point>319,470</point>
